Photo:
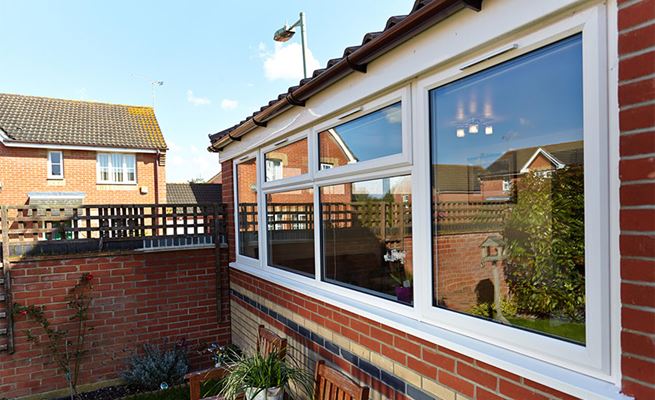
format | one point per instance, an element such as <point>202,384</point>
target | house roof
<point>423,15</point>
<point>43,120</point>
<point>513,161</point>
<point>193,193</point>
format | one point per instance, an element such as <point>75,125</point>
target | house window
<point>366,237</point>
<point>520,263</point>
<point>247,210</point>
<point>325,165</point>
<point>507,184</point>
<point>287,161</point>
<point>55,165</point>
<point>116,168</point>
<point>274,169</point>
<point>375,135</point>
<point>291,244</point>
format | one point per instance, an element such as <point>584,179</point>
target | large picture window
<point>508,193</point>
<point>116,168</point>
<point>367,236</point>
<point>247,210</point>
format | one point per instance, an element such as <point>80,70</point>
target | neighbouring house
<point>193,193</point>
<point>218,178</point>
<point>55,151</point>
<point>461,206</point>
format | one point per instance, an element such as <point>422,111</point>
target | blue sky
<point>217,59</point>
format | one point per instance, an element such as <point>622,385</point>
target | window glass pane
<point>117,167</point>
<point>55,157</point>
<point>55,170</point>
<point>287,161</point>
<point>367,236</point>
<point>508,193</point>
<point>247,203</point>
<point>290,230</point>
<point>375,135</point>
<point>130,163</point>
<point>103,165</point>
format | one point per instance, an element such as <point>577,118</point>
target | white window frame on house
<point>61,165</point>
<point>592,358</point>
<point>124,169</point>
<point>280,143</point>
<point>242,259</point>
<point>404,158</point>
<point>585,370</point>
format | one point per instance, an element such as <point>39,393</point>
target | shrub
<point>156,366</point>
<point>545,238</point>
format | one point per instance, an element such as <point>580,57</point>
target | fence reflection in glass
<point>290,230</point>
<point>366,236</point>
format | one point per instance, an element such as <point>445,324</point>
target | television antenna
<point>153,85</point>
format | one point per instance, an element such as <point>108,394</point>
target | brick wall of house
<point>24,170</point>
<point>138,298</point>
<point>636,91</point>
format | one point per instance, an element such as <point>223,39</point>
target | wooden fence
<point>39,230</point>
<point>385,219</point>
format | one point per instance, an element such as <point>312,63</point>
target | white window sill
<point>117,183</point>
<point>559,378</point>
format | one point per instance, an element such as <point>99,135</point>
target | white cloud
<point>186,162</point>
<point>284,61</point>
<point>196,101</point>
<point>228,104</point>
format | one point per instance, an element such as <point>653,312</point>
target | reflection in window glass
<point>287,161</point>
<point>247,213</point>
<point>290,230</point>
<point>375,135</point>
<point>508,193</point>
<point>367,236</point>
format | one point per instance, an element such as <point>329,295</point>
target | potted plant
<point>401,275</point>
<point>265,377</point>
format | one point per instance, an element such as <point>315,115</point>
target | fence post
<point>6,269</point>
<point>217,252</point>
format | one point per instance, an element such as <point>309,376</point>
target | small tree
<point>545,244</point>
<point>65,344</point>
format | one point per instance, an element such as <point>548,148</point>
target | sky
<point>217,58</point>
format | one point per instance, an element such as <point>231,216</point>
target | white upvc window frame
<point>242,259</point>
<point>61,165</point>
<point>592,358</point>
<point>124,167</point>
<point>588,369</point>
<point>293,180</point>
<point>404,158</point>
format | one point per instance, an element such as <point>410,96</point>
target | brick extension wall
<point>394,364</point>
<point>636,90</point>
<point>24,170</point>
<point>138,298</point>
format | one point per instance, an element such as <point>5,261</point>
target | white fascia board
<point>5,140</point>
<point>447,41</point>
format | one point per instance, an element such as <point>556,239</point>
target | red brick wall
<point>637,171</point>
<point>25,170</point>
<point>411,358</point>
<point>138,298</point>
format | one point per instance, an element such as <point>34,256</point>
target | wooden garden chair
<point>330,384</point>
<point>267,342</point>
